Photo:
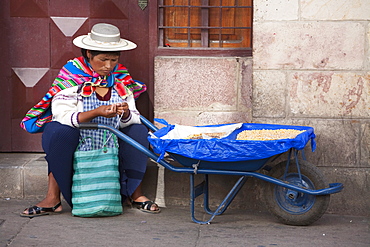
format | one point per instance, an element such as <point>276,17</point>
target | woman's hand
<point>107,111</point>
<point>122,108</point>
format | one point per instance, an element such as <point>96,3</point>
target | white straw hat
<point>104,37</point>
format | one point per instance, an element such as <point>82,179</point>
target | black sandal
<point>146,206</point>
<point>35,211</point>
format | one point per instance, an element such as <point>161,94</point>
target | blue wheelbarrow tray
<point>228,153</point>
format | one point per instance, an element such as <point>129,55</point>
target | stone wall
<point>310,66</point>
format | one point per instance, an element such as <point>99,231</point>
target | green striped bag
<point>95,183</point>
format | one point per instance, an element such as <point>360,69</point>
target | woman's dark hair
<point>95,53</point>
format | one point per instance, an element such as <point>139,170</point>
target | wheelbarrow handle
<point>148,124</point>
<point>88,126</point>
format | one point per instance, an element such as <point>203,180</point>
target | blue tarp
<point>228,149</point>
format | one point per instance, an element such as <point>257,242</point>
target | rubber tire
<point>320,203</point>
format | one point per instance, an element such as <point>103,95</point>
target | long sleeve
<point>66,105</point>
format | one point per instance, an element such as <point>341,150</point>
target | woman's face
<point>103,63</point>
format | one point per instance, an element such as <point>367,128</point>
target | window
<point>205,24</point>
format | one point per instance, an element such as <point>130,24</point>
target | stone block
<point>329,94</point>
<point>246,89</point>
<point>335,10</point>
<point>280,10</point>
<point>365,145</point>
<point>337,143</point>
<point>176,188</point>
<point>11,185</point>
<point>12,173</point>
<point>309,45</point>
<point>367,61</point>
<point>36,178</point>
<point>269,93</point>
<point>203,84</point>
<point>199,91</point>
<point>354,198</point>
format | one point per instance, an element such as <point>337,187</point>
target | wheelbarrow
<point>296,192</point>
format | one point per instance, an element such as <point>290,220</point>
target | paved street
<point>173,227</point>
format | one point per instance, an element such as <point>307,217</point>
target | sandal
<point>146,206</point>
<point>35,211</point>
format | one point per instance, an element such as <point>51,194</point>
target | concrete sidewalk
<point>174,227</point>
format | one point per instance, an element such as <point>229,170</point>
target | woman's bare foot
<point>143,203</point>
<point>46,203</point>
<point>38,210</point>
<point>153,207</point>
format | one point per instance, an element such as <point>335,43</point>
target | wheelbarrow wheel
<point>292,207</point>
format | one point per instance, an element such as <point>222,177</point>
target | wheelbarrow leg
<point>202,188</point>
<point>228,199</point>
<point>196,191</point>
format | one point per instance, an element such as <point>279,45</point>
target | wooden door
<point>37,41</point>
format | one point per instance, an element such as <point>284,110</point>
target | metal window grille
<point>205,23</point>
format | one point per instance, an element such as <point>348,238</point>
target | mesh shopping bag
<point>95,183</point>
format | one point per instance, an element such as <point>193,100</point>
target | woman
<point>91,88</point>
